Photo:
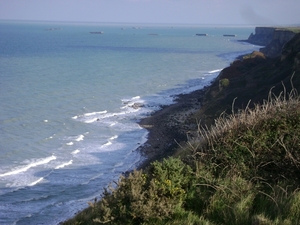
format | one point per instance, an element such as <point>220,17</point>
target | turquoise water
<point>67,125</point>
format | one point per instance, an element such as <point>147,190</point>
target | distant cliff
<point>252,77</point>
<point>273,38</point>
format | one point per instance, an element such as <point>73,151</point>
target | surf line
<point>41,162</point>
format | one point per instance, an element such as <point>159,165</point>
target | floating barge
<point>229,35</point>
<point>202,34</point>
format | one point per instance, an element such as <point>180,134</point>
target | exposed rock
<point>263,36</point>
<point>137,105</point>
<point>273,38</point>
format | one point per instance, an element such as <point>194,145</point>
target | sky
<point>240,12</point>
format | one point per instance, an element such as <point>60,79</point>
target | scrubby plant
<point>223,83</point>
<point>142,198</point>
<point>245,170</point>
<point>256,142</point>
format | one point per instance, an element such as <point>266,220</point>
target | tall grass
<point>244,170</point>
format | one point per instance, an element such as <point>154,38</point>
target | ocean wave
<point>135,103</point>
<point>35,182</point>
<point>75,152</point>
<point>64,164</point>
<point>106,144</point>
<point>70,143</point>
<point>215,71</point>
<point>25,168</point>
<point>113,137</point>
<point>95,113</point>
<point>79,137</point>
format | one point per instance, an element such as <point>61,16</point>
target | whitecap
<point>95,113</point>
<point>25,168</point>
<point>91,120</point>
<point>106,144</point>
<point>46,121</point>
<point>215,71</point>
<point>113,137</point>
<point>79,137</point>
<point>70,143</point>
<point>75,152</point>
<point>35,182</point>
<point>64,164</point>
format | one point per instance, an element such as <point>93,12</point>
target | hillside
<point>239,155</point>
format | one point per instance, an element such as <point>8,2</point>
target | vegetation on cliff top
<point>243,170</point>
<point>241,166</point>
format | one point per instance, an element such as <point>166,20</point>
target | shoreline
<point>168,127</point>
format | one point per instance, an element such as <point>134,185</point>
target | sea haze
<point>68,121</point>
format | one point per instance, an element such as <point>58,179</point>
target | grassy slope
<point>244,169</point>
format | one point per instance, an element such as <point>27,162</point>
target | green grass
<point>293,29</point>
<point>243,170</point>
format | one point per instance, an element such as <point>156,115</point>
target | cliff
<point>251,78</point>
<point>273,38</point>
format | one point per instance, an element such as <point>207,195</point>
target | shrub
<point>140,197</point>
<point>223,83</point>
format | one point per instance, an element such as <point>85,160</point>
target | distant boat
<point>202,34</point>
<point>96,32</point>
<point>229,35</point>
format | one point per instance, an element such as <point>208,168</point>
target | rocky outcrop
<point>273,38</point>
<point>263,36</point>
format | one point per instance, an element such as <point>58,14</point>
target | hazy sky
<point>278,12</point>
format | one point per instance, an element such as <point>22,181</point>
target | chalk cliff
<point>273,38</point>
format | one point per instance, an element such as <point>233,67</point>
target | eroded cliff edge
<point>251,78</point>
<point>273,38</point>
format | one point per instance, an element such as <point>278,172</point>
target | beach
<point>170,126</point>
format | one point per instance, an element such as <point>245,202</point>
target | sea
<point>71,97</point>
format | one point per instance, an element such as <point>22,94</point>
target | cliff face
<point>252,78</point>
<point>272,38</point>
<point>263,36</point>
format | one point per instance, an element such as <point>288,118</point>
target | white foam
<point>113,137</point>
<point>70,143</point>
<point>91,120</point>
<point>106,144</point>
<point>79,137</point>
<point>35,182</point>
<point>46,121</point>
<point>64,164</point>
<point>95,113</point>
<point>25,168</point>
<point>215,71</point>
<point>75,152</point>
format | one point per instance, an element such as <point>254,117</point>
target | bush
<point>243,170</point>
<point>223,83</point>
<point>144,198</point>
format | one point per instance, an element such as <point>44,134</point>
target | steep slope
<point>251,78</point>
